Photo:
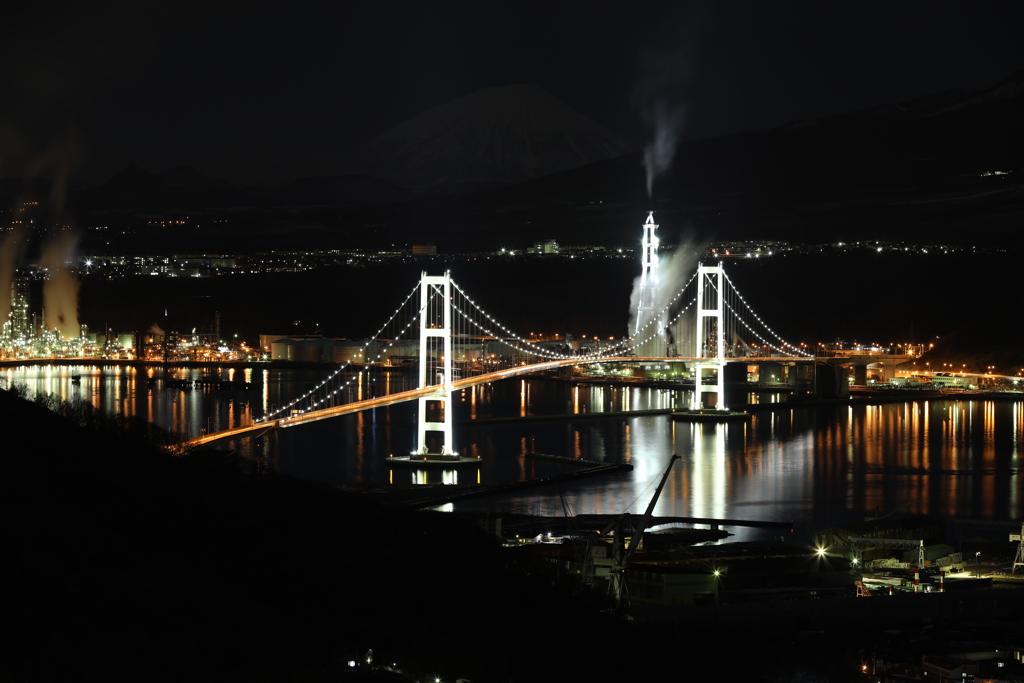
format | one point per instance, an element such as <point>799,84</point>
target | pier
<point>439,495</point>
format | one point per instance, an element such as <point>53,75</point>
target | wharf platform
<point>656,520</point>
<point>528,525</point>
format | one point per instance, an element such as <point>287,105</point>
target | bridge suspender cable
<point>284,410</point>
<point>782,341</point>
<point>472,319</point>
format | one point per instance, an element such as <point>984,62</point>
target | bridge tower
<point>649,288</point>
<point>435,324</point>
<point>709,372</point>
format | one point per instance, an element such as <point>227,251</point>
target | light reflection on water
<point>817,467</point>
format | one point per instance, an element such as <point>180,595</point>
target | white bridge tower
<point>645,310</point>
<point>709,340</point>
<point>435,323</point>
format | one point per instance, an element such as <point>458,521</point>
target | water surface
<point>814,466</point>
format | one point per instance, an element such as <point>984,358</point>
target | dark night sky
<point>267,92</point>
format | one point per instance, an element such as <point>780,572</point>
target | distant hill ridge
<point>893,167</point>
<point>184,187</point>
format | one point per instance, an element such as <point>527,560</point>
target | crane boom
<point>638,535</point>
<point>622,554</point>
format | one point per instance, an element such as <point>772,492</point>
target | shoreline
<point>227,365</point>
<point>857,397</point>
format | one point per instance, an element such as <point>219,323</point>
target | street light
<point>977,563</point>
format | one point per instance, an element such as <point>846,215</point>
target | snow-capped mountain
<point>495,136</point>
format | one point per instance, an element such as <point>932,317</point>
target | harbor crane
<point>622,553</point>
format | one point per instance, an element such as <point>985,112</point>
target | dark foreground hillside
<point>128,564</point>
<point>131,564</point>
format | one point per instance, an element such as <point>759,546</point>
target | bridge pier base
<point>708,386</point>
<point>831,381</point>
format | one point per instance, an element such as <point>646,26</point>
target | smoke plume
<point>60,291</point>
<point>660,99</point>
<point>665,122</point>
<point>59,252</point>
<point>673,272</point>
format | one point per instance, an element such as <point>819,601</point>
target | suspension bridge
<point>705,323</point>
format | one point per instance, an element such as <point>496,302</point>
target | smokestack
<point>11,248</point>
<point>646,291</point>
<point>660,281</point>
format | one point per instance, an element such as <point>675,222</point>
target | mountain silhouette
<point>496,136</point>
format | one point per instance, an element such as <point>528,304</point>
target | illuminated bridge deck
<point>465,383</point>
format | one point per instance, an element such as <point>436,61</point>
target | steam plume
<point>59,254</point>
<point>659,99</point>
<point>665,122</point>
<point>60,291</point>
<point>673,272</point>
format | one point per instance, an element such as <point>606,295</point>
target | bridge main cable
<point>311,392</point>
<point>739,318</point>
